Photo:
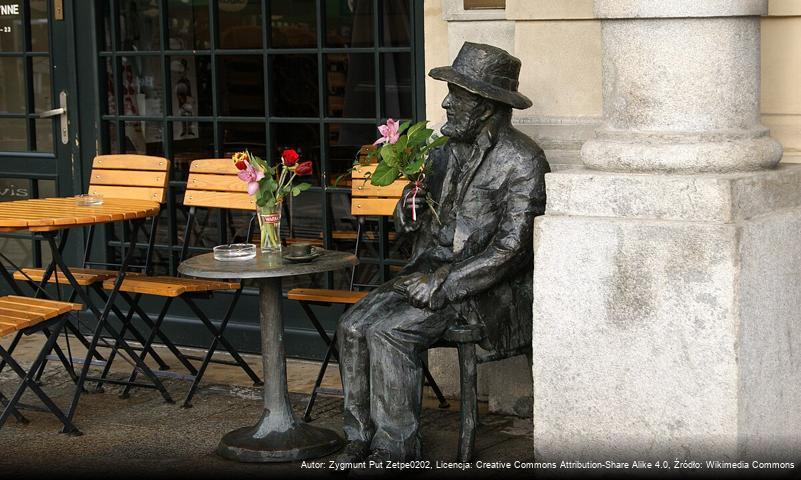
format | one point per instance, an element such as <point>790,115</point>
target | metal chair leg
<point>225,343</point>
<point>127,324</point>
<point>147,346</point>
<point>210,354</point>
<point>14,412</point>
<point>162,337</point>
<point>469,401</point>
<point>27,382</point>
<point>11,349</point>
<point>429,379</point>
<point>329,352</point>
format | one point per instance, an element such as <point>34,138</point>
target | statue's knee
<point>380,333</point>
<point>350,327</point>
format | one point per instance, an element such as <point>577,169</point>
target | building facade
<point>190,79</point>
<point>560,45</point>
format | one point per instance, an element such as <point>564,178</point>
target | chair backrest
<point>213,183</point>
<point>369,200</point>
<point>135,177</point>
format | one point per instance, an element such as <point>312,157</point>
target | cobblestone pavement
<point>145,435</point>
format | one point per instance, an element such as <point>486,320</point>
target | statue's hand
<point>402,283</point>
<point>416,201</point>
<point>427,291</point>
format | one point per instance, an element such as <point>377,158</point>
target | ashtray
<point>235,251</point>
<point>313,253</point>
<point>86,200</point>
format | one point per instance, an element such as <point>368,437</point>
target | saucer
<point>316,252</point>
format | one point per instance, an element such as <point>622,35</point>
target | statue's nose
<point>447,102</point>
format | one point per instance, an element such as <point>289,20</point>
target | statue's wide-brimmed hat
<point>487,71</point>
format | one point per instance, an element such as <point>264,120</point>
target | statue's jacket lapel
<point>500,191</point>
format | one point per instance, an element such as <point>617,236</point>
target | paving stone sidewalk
<point>144,435</point>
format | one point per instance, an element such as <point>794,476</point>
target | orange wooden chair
<point>211,184</point>
<point>25,316</point>
<point>126,176</point>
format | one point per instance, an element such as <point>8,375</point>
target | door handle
<point>52,113</point>
<point>62,112</point>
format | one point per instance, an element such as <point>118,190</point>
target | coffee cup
<point>299,249</point>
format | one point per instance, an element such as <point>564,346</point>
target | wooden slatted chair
<point>121,176</point>
<point>26,315</point>
<point>135,177</point>
<point>367,200</point>
<point>211,184</point>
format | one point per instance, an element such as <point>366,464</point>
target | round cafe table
<point>279,436</point>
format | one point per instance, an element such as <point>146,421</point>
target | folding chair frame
<point>102,316</point>
<point>196,374</point>
<point>51,329</point>
<point>125,319</point>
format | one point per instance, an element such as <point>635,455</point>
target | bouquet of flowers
<point>403,153</point>
<point>269,186</point>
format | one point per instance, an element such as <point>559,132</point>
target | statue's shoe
<point>353,455</point>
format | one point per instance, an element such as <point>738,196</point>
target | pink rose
<point>389,132</point>
<point>252,177</point>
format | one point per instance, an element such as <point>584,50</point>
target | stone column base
<point>667,316</point>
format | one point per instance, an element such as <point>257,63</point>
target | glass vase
<point>270,228</point>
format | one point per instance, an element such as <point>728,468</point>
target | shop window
<point>192,79</point>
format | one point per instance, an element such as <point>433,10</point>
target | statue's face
<point>467,113</point>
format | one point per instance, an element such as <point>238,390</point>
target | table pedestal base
<point>301,441</point>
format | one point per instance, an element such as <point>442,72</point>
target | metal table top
<point>263,266</point>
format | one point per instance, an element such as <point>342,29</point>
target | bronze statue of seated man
<point>472,265</point>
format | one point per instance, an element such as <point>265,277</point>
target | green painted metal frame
<point>95,11</point>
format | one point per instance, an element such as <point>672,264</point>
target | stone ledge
<point>679,8</point>
<point>726,198</point>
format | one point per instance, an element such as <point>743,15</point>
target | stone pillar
<point>667,312</point>
<point>681,88</point>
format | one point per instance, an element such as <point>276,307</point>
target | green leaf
<point>384,175</point>
<point>438,142</point>
<point>270,184</point>
<point>417,126</point>
<point>388,155</point>
<point>414,167</point>
<point>401,143</point>
<point>403,127</point>
<point>295,191</point>
<point>303,186</point>
<point>419,137</point>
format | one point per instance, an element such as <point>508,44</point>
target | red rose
<point>241,165</point>
<point>290,157</point>
<point>305,168</point>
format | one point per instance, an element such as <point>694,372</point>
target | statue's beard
<point>465,129</point>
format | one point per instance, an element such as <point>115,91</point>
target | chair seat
<point>18,312</point>
<point>84,276</point>
<point>166,286</point>
<point>460,334</point>
<point>325,295</point>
